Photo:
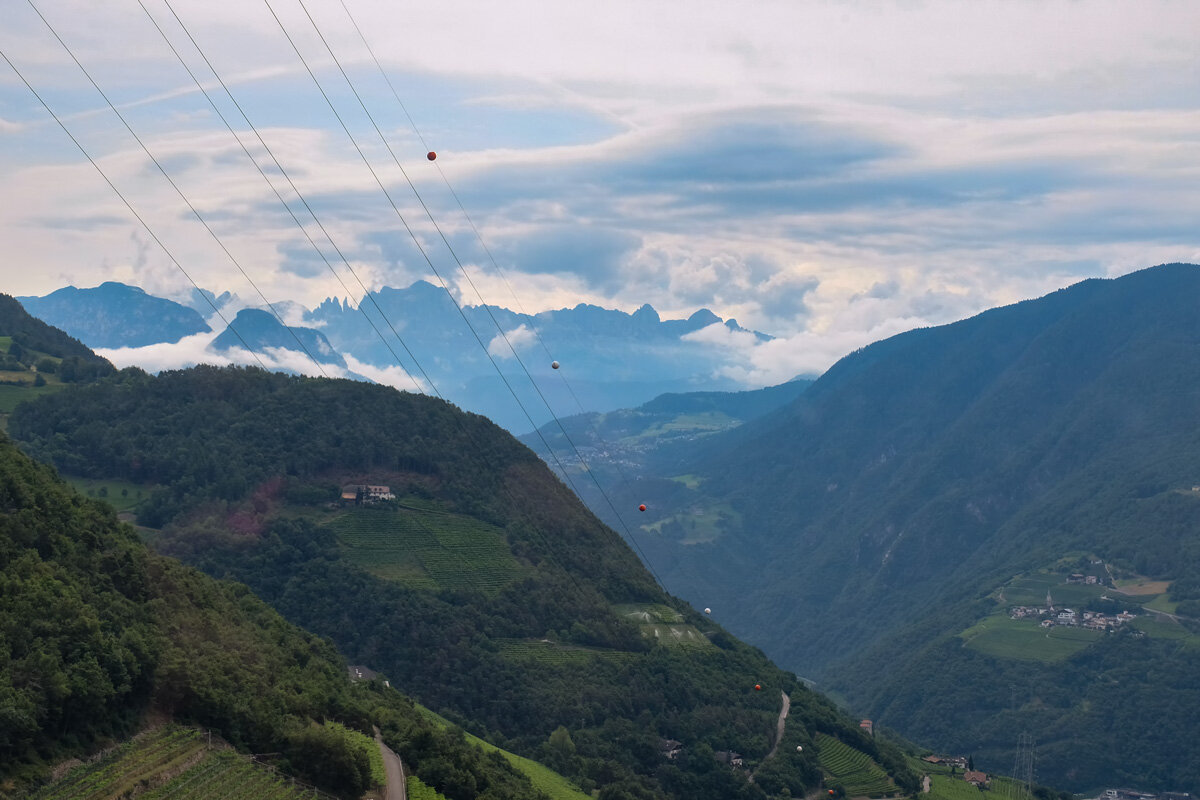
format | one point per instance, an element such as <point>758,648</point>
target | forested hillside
<point>97,633</point>
<point>868,526</point>
<point>484,589</point>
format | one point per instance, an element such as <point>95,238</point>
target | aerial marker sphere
<point>758,687</point>
<point>799,748</point>
<point>642,507</point>
<point>431,155</point>
<point>831,791</point>
<point>708,611</point>
<point>553,365</point>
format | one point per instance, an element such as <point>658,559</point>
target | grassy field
<point>11,395</point>
<point>1162,603</point>
<point>172,762</point>
<point>1030,590</point>
<point>699,524</point>
<point>427,549</point>
<point>121,495</point>
<point>852,771</point>
<point>542,777</point>
<point>701,421</point>
<point>1025,640</point>
<point>690,481</point>
<point>1163,628</point>
<point>1141,586</point>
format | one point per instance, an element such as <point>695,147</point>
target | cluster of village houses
<point>1134,794</point>
<point>1051,616</point>
<point>971,776</point>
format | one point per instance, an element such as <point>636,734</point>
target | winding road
<point>397,786</point>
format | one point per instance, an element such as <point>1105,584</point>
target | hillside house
<point>976,778</point>
<point>670,747</point>
<point>729,757</point>
<point>868,727</point>
<point>365,494</point>
<point>1075,577</point>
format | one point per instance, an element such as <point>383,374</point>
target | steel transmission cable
<point>132,210</point>
<point>453,193</point>
<point>625,480</point>
<point>417,242</point>
<point>289,180</point>
<point>466,275</point>
<point>175,186</point>
<point>429,380</point>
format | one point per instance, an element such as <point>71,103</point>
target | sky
<point>830,173</point>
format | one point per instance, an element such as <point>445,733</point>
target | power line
<point>404,222</point>
<point>286,176</point>
<point>432,385</point>
<point>465,274</point>
<point>175,186</point>
<point>132,210</point>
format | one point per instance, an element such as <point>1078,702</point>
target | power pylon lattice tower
<point>1021,787</point>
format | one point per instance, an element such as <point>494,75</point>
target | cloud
<point>821,171</point>
<point>506,345</point>
<point>393,376</point>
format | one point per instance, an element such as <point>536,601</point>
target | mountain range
<point>876,532</point>
<point>608,359</point>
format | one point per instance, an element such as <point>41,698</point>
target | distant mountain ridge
<point>115,315</point>
<point>612,359</point>
<point>259,330</point>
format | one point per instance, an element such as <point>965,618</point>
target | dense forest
<point>246,464</point>
<point>34,344</point>
<point>96,632</point>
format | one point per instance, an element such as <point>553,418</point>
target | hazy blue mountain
<point>623,443</point>
<point>115,315</point>
<point>260,331</point>
<point>609,359</point>
<point>861,533</point>
<point>203,301</point>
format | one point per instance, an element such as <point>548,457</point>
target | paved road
<point>397,786</point>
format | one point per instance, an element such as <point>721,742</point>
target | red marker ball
<point>431,155</point>
<point>758,687</point>
<point>642,507</point>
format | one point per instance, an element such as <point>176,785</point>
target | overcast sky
<point>827,172</point>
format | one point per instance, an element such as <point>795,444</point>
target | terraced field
<point>1002,637</point>
<point>850,770</point>
<point>664,625</point>
<point>427,549</point>
<point>177,763</point>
